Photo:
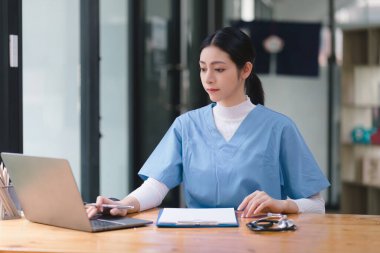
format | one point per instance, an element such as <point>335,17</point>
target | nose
<point>210,78</point>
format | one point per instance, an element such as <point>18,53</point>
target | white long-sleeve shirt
<point>227,120</point>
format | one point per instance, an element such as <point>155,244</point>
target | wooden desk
<point>316,233</point>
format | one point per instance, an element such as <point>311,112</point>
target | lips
<point>212,90</point>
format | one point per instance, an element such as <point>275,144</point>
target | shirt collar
<point>234,112</point>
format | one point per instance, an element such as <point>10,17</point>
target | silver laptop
<point>48,194</point>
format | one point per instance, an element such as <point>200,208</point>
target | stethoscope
<point>272,222</point>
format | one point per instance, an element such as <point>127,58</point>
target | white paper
<point>198,215</point>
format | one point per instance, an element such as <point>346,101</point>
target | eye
<point>220,70</point>
<point>202,69</point>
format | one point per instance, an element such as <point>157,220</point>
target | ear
<point>247,69</point>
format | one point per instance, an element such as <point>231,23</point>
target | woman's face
<point>221,78</point>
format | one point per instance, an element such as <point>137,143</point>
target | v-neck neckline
<point>240,134</point>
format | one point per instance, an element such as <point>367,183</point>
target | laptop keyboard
<point>104,224</point>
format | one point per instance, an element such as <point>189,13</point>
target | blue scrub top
<point>267,153</point>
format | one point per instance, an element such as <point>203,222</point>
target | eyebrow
<point>214,62</point>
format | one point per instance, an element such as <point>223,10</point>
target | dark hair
<point>240,49</point>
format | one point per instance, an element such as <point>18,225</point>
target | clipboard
<point>196,217</point>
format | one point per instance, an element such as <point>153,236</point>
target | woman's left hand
<point>260,202</point>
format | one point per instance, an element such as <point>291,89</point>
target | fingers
<point>100,200</point>
<point>91,211</point>
<point>255,203</point>
<point>252,207</point>
<point>262,205</point>
<point>243,204</point>
<point>118,212</point>
<point>246,200</point>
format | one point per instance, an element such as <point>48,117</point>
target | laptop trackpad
<point>123,220</point>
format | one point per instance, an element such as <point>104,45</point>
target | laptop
<point>48,194</point>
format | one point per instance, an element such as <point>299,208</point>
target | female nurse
<point>234,152</point>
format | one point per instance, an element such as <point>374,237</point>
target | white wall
<point>51,91</point>
<point>114,43</point>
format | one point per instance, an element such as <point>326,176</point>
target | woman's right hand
<point>98,208</point>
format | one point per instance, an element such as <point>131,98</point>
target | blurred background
<point>100,81</point>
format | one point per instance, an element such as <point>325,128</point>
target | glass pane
<point>114,45</point>
<point>158,87</point>
<point>51,90</point>
<point>156,107</point>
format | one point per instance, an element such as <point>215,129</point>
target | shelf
<point>361,184</point>
<point>360,107</point>
<point>371,145</point>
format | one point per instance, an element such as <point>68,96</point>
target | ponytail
<point>254,89</point>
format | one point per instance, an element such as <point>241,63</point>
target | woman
<point>234,152</point>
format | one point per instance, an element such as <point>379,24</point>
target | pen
<point>111,206</point>
<point>267,215</point>
<point>198,223</point>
